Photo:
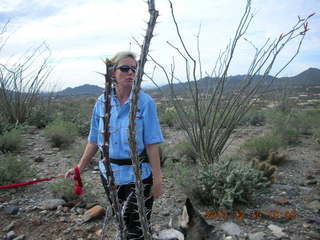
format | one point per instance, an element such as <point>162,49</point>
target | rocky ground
<point>289,210</point>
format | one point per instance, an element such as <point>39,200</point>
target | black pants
<point>131,215</point>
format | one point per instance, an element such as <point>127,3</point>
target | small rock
<point>277,231</point>
<point>21,237</point>
<point>36,222</point>
<point>13,210</point>
<point>9,227</point>
<point>313,220</point>
<point>281,200</point>
<point>67,231</point>
<point>312,182</point>
<point>10,235</point>
<point>166,213</point>
<point>314,205</point>
<point>3,199</point>
<point>231,228</point>
<point>256,236</point>
<point>99,233</point>
<point>48,152</point>
<point>51,204</point>
<point>44,212</point>
<point>93,213</point>
<point>306,190</point>
<point>168,234</point>
<point>314,235</point>
<point>38,159</point>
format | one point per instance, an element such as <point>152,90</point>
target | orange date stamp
<point>254,214</point>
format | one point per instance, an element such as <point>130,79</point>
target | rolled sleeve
<point>152,131</point>
<point>94,126</point>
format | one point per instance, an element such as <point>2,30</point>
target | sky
<point>81,33</point>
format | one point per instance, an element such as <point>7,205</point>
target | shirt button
<point>115,143</point>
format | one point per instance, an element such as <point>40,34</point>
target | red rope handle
<point>78,187</point>
<point>78,183</point>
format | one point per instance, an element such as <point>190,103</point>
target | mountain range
<point>307,78</point>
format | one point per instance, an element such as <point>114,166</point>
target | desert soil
<point>289,210</point>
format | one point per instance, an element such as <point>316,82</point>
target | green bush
<point>14,169</point>
<point>40,118</point>
<point>229,182</point>
<point>77,111</point>
<point>184,151</point>
<point>168,116</point>
<point>282,126</point>
<point>61,133</point>
<point>305,120</point>
<point>221,185</point>
<point>10,141</point>
<point>164,150</point>
<point>64,188</point>
<point>253,118</point>
<point>316,132</point>
<point>182,173</point>
<point>289,125</point>
<point>260,147</point>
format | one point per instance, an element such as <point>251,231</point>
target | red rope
<point>27,183</point>
<point>78,184</point>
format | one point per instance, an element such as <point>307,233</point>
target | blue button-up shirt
<point>147,132</point>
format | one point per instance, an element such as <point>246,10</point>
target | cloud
<point>80,33</point>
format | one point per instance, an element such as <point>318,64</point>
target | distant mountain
<point>310,77</point>
<point>83,90</point>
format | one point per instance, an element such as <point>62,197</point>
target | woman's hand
<point>69,174</point>
<point>156,189</point>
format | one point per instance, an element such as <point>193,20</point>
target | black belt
<point>143,157</point>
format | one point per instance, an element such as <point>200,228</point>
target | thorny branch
<point>214,112</point>
<point>114,200</point>
<point>132,124</point>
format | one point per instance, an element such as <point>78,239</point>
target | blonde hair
<point>122,55</point>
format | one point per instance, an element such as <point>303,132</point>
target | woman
<point>148,136</point>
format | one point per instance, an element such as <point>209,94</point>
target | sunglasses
<point>126,68</point>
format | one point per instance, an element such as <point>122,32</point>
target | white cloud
<point>81,32</point>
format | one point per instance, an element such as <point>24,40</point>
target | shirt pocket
<point>139,131</point>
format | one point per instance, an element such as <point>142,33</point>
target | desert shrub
<point>4,125</point>
<point>282,126</point>
<point>61,133</point>
<point>168,116</point>
<point>184,151</point>
<point>40,117</point>
<point>14,169</point>
<point>64,188</point>
<point>260,147</point>
<point>164,151</point>
<point>290,125</point>
<point>77,111</point>
<point>76,150</point>
<point>254,118</point>
<point>10,141</point>
<point>221,185</point>
<point>229,182</point>
<point>305,120</point>
<point>316,134</point>
<point>182,173</point>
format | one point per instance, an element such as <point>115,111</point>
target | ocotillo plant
<point>215,109</point>
<point>132,125</point>
<point>114,200</point>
